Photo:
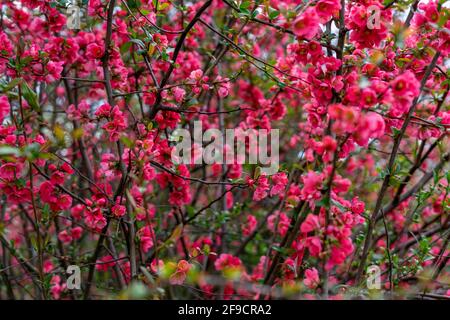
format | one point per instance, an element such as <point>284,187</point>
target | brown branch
<point>178,46</point>
<point>388,174</point>
<point>160,166</point>
<point>107,79</point>
<point>297,219</point>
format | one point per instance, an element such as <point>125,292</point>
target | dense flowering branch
<point>93,117</point>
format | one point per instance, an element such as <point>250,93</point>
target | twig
<point>388,170</point>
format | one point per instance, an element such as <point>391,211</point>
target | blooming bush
<point>357,89</point>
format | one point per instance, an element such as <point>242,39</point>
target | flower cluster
<point>90,120</point>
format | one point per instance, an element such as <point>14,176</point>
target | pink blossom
<point>311,278</point>
<point>94,219</point>
<point>57,286</point>
<point>307,24</point>
<point>118,210</point>
<point>250,225</point>
<point>146,237</point>
<point>262,188</point>
<point>94,51</point>
<point>105,263</point>
<point>178,94</point>
<point>4,107</point>
<point>312,182</point>
<point>54,70</point>
<point>65,237</point>
<point>227,261</point>
<point>311,223</point>
<point>279,181</point>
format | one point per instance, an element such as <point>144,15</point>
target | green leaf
<point>190,211</point>
<point>435,176</point>
<point>257,172</point>
<point>45,213</point>
<point>176,233</point>
<point>32,151</point>
<point>9,151</point>
<point>147,275</point>
<point>165,56</point>
<point>163,6</point>
<point>126,141</point>
<point>7,87</point>
<point>395,131</point>
<point>30,96</point>
<point>245,5</point>
<point>278,249</point>
<point>139,42</point>
<point>273,14</point>
<point>244,12</point>
<point>125,47</point>
<point>339,205</point>
<point>324,202</point>
<point>137,290</point>
<point>134,4</point>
